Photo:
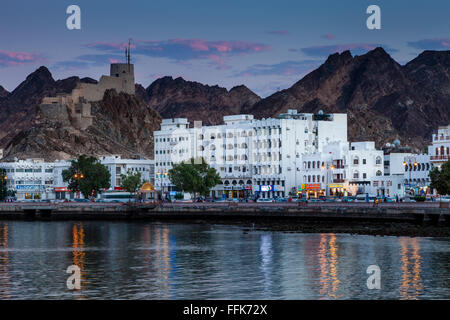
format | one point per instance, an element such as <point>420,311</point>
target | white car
<point>445,199</point>
<point>264,200</point>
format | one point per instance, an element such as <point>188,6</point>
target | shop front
<point>337,190</point>
<point>29,192</point>
<point>61,193</point>
<point>311,190</point>
<point>268,191</point>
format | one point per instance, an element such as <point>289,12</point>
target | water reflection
<point>266,261</point>
<point>328,266</point>
<point>79,254</point>
<point>411,283</point>
<point>4,260</point>
<point>162,260</point>
<point>199,261</point>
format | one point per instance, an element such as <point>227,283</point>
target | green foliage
<point>3,189</point>
<point>132,181</point>
<point>440,179</point>
<point>95,176</point>
<point>194,177</point>
<point>179,196</point>
<point>419,198</point>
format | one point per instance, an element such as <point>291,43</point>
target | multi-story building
<point>31,178</point>
<point>439,150</point>
<point>259,156</point>
<point>37,179</point>
<point>118,166</point>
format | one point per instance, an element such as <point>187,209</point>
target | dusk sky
<point>266,45</point>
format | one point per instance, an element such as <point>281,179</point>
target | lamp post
<point>160,174</point>
<point>78,176</point>
<point>4,179</point>
<point>411,160</point>
<point>327,167</point>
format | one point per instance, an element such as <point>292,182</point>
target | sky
<point>265,45</point>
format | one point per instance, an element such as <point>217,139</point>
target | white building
<point>118,166</point>
<point>37,179</point>
<point>259,156</point>
<point>439,150</point>
<point>31,178</point>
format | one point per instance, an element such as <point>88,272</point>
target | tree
<point>88,175</point>
<point>3,188</point>
<point>194,177</point>
<point>131,182</point>
<point>440,179</point>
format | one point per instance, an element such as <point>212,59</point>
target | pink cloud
<point>10,58</point>
<point>185,50</point>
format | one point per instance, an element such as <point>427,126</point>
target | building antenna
<point>129,54</point>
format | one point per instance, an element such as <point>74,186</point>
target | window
<point>364,161</point>
<point>378,160</point>
<point>378,173</point>
<point>364,175</point>
<point>355,174</point>
<point>356,160</point>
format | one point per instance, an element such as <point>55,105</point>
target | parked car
<point>281,199</point>
<point>264,200</point>
<point>407,199</point>
<point>314,200</point>
<point>81,200</point>
<point>445,199</point>
<point>348,199</point>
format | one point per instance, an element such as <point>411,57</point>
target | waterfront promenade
<point>180,210</point>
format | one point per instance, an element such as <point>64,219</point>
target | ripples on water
<point>121,260</point>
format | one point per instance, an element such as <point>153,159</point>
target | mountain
<point>178,98</point>
<point>122,124</point>
<point>383,99</point>
<point>3,93</point>
<point>19,108</point>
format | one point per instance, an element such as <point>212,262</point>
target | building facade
<point>35,179</point>
<point>439,150</point>
<point>260,157</point>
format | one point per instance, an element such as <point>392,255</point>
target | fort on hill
<point>75,108</point>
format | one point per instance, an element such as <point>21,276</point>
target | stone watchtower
<point>125,72</point>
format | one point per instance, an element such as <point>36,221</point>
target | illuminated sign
<point>312,186</point>
<point>336,185</point>
<point>25,187</point>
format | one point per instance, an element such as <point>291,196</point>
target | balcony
<point>439,158</point>
<point>338,180</point>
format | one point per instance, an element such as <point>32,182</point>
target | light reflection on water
<point>120,260</point>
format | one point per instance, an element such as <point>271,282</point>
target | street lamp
<point>160,174</point>
<point>328,167</point>
<point>78,176</point>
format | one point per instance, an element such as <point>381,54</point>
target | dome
<point>147,187</point>
<point>321,112</point>
<point>397,142</point>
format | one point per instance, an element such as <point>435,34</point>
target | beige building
<point>75,108</point>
